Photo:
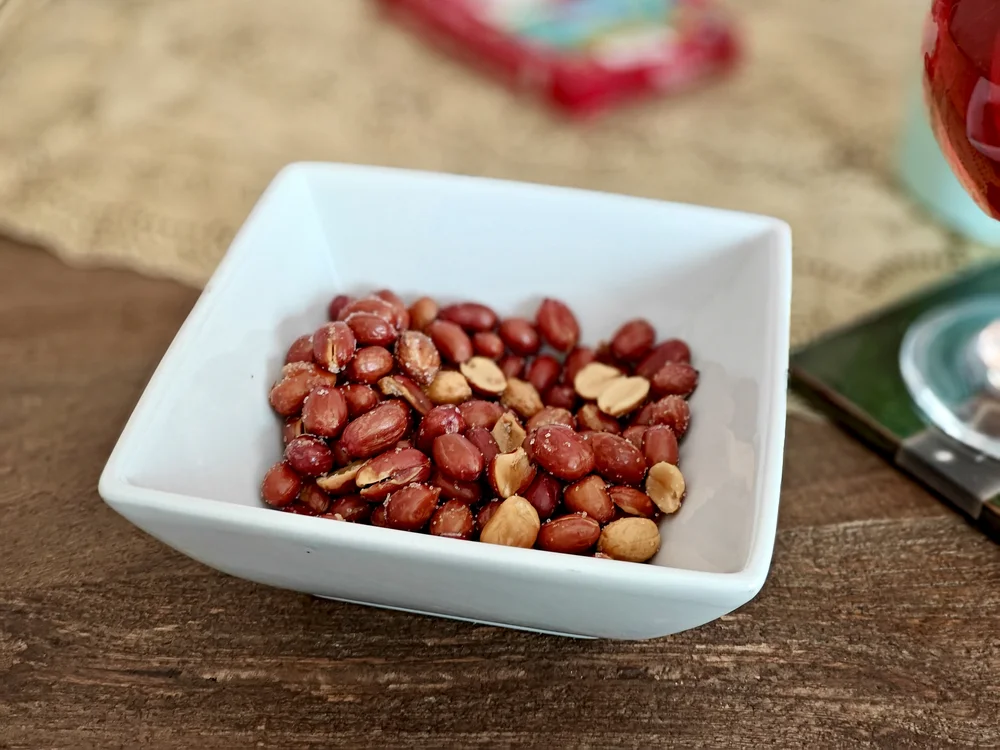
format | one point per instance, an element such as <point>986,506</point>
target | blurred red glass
<point>962,87</point>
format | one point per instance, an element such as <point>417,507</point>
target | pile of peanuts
<point>452,421</point>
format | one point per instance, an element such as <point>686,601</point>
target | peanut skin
<point>376,430</point>
<point>573,534</point>
<point>562,452</point>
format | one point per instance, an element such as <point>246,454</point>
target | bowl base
<point>460,619</point>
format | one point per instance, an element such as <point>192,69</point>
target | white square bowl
<point>187,467</point>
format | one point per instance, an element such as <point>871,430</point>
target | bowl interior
<point>710,277</point>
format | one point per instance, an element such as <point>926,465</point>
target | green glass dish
<point>853,375</point>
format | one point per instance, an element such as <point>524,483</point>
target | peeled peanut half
<point>484,375</point>
<point>592,379</point>
<point>623,395</point>
<point>665,486</point>
<point>508,433</point>
<point>449,387</point>
<point>514,524</point>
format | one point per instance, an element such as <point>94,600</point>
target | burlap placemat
<point>139,132</point>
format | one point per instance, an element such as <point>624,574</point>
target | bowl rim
<point>692,585</point>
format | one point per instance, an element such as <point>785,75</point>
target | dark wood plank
<point>877,627</point>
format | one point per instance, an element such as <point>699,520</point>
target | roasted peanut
<point>544,494</point>
<point>521,396</point>
<point>313,497</point>
<point>300,509</point>
<point>402,317</point>
<point>511,366</point>
<point>423,312</point>
<point>484,375</point>
<point>557,325</point>
<point>630,539</point>
<point>483,439</point>
<point>324,412</point>
<point>514,524</point>
<point>292,428</point>
<point>589,417</point>
<point>371,306</point>
<point>309,456</point>
<point>551,415</point>
<point>441,420</point>
<point>281,485</point>
<point>543,372</point>
<point>458,458</point>
<point>486,513</point>
<point>417,356</point>
<point>451,341</point>
<point>576,360</point>
<point>479,413</point>
<point>411,507</point>
<point>370,329</point>
<point>404,388</point>
<point>376,430</point>
<point>471,316</point>
<point>508,433</point>
<point>562,452</point>
<point>520,336</point>
<point>378,516</point>
<point>454,520</point>
<point>488,344</point>
<point>673,350</point>
<point>561,396</point>
<point>633,501</point>
<point>337,304</point>
<point>590,497</point>
<point>605,356</point>
<point>674,379</point>
<point>350,508</point>
<point>623,395</point>
<point>633,340</point>
<point>592,380</point>
<point>301,350</point>
<point>341,457</point>
<point>391,471</point>
<point>341,481</point>
<point>370,364</point>
<point>468,493</point>
<point>573,534</point>
<point>659,445</point>
<point>665,486</point>
<point>672,411</point>
<point>634,434</point>
<point>449,387</point>
<point>359,398</point>
<point>334,345</point>
<point>511,473</point>
<point>297,379</point>
<point>616,459</point>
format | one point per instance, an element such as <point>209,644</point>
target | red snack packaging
<point>583,56</point>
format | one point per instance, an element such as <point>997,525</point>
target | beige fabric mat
<point>139,132</point>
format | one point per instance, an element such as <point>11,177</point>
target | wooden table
<point>877,627</point>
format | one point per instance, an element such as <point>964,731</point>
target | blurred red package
<point>584,56</point>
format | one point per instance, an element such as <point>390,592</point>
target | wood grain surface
<point>878,626</point>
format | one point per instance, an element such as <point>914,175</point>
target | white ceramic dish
<point>187,467</point>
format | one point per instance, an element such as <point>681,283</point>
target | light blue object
<point>571,25</point>
<point>926,175</point>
